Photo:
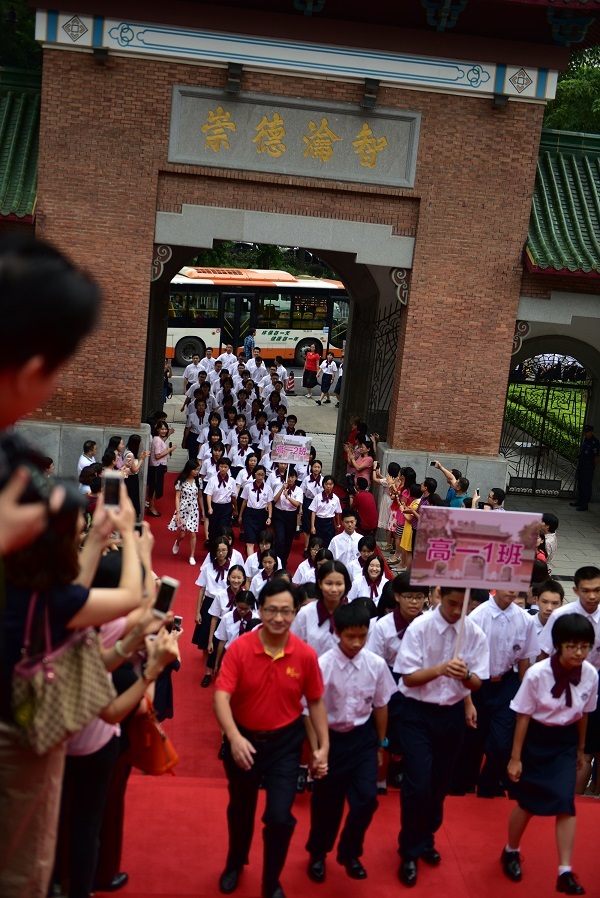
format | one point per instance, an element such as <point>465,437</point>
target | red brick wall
<point>103,174</point>
<point>542,285</point>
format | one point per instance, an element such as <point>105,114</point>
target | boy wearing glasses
<point>552,707</point>
<point>587,590</point>
<point>258,703</point>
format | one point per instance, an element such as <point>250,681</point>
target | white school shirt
<point>244,408</point>
<point>311,490</point>
<point>84,462</point>
<point>238,456</point>
<point>429,641</point>
<point>284,504</point>
<point>305,573</point>
<point>235,558</point>
<point>325,509</point>
<point>344,547</point>
<point>282,375</point>
<point>208,578</point>
<point>207,364</point>
<point>275,481</point>
<point>257,583</point>
<point>228,629</point>
<point>203,435</point>
<point>383,639</point>
<point>229,360</point>
<point>535,698</point>
<point>221,494</point>
<point>539,626</point>
<point>306,627</point>
<point>254,501</point>
<point>354,569</point>
<point>252,565</point>
<point>328,367</point>
<point>573,608</point>
<point>353,687</point>
<point>219,604</point>
<point>191,372</point>
<point>257,435</point>
<point>360,589</point>
<point>511,635</point>
<point>193,423</point>
<point>257,374</point>
<point>242,479</point>
<point>207,470</point>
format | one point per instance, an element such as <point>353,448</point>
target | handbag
<point>55,693</point>
<point>150,749</point>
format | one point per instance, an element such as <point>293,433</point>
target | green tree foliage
<point>577,103</point>
<point>228,254</point>
<point>18,47</point>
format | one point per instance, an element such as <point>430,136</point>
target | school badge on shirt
<point>292,672</point>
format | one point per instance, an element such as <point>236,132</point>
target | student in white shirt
<point>433,685</point>
<point>314,622</point>
<point>552,707</point>
<point>328,372</point>
<point>257,507</point>
<point>366,547</point>
<point>324,508</point>
<point>211,579</point>
<point>234,623</point>
<point>345,545</point>
<point>266,540</point>
<point>221,498</point>
<point>87,457</point>
<point>369,584</point>
<point>240,451</point>
<point>208,363</point>
<point>228,358</point>
<point>311,486</point>
<point>549,597</point>
<point>306,570</point>
<point>224,600</point>
<point>266,572</point>
<point>287,499</point>
<point>190,374</point>
<point>512,639</point>
<point>358,687</point>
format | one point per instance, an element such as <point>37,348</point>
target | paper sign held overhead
<point>290,450</point>
<point>476,549</point>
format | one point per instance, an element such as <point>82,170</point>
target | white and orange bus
<point>216,306</point>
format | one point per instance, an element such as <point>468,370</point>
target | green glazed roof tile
<point>564,228</point>
<point>19,137</point>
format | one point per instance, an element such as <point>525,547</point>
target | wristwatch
<point>469,675</point>
<point>383,743</point>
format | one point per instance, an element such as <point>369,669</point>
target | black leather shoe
<point>277,893</point>
<point>116,883</point>
<point>511,864</point>
<point>229,881</point>
<point>407,872</point>
<point>431,857</point>
<point>206,681</point>
<point>316,869</point>
<point>354,868</point>
<point>568,884</point>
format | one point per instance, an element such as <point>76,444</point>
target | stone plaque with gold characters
<point>293,137</point>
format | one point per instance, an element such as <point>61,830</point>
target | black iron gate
<point>542,431</point>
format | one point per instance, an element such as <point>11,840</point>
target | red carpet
<point>176,835</point>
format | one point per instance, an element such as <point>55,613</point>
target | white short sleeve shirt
<point>535,698</point>
<point>573,608</point>
<point>354,686</point>
<point>511,635</point>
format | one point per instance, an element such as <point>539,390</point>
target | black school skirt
<point>547,784</point>
<point>202,631</point>
<point>254,521</point>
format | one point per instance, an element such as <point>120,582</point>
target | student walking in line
<point>328,371</point>
<point>552,705</point>
<point>324,508</point>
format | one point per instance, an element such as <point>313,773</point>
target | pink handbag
<point>57,692</point>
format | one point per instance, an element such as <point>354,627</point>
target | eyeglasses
<point>409,598</point>
<point>286,613</point>
<point>582,647</point>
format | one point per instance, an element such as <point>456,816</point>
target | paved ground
<point>578,533</point>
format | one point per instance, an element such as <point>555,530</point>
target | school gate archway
<point>159,125</point>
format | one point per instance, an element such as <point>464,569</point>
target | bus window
<point>202,307</point>
<point>273,310</point>
<point>177,304</point>
<point>309,312</point>
<point>339,328</point>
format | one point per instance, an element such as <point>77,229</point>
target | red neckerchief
<point>400,622</point>
<point>361,561</point>
<point>563,679</point>
<point>258,489</point>
<point>244,620</point>
<point>223,480</point>
<point>266,576</point>
<point>221,569</point>
<point>242,451</point>
<point>323,615</point>
<point>201,420</point>
<point>373,586</point>
<point>326,497</point>
<point>214,462</point>
<point>230,598</point>
<point>311,562</point>
<point>281,477</point>
<point>290,431</point>
<point>316,480</point>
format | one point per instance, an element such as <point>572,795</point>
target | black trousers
<point>431,739</point>
<point>353,777</point>
<point>276,762</point>
<point>85,790</point>
<point>284,527</point>
<point>192,446</point>
<point>222,514</point>
<point>585,476</point>
<point>495,730</point>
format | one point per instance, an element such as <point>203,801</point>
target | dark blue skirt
<point>325,529</point>
<point>254,521</point>
<point>221,517</point>
<point>547,784</point>
<point>202,631</point>
<point>306,513</point>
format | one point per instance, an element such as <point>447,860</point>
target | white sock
<point>564,869</point>
<point>511,850</point>
<point>382,784</point>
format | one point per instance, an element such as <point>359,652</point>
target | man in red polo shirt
<point>258,703</point>
<point>364,505</point>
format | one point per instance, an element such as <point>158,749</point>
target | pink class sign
<point>480,549</point>
<point>290,449</point>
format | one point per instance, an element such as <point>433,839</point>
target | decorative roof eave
<point>553,271</point>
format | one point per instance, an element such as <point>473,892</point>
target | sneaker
<point>318,401</point>
<point>327,402</point>
<point>192,559</point>
<point>175,547</point>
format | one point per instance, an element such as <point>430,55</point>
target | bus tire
<point>188,347</point>
<point>302,348</point>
